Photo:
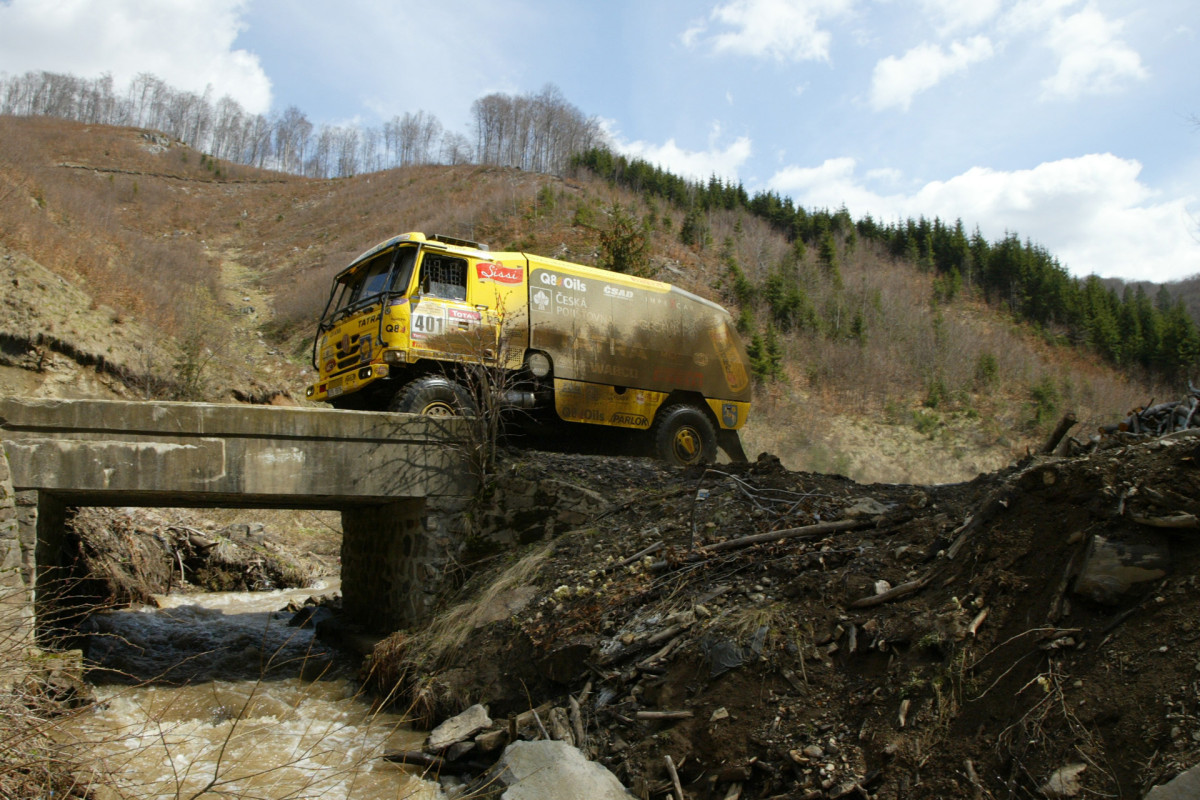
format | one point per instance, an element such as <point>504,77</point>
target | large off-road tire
<point>434,396</point>
<point>684,435</point>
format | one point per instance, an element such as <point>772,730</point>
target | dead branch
<point>807,531</point>
<point>664,715</point>
<point>896,592</point>
<point>1180,520</point>
<point>1060,430</point>
<point>674,777</point>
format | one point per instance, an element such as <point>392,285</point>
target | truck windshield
<point>386,272</point>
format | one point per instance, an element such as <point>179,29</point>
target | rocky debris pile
<point>126,556</point>
<point>1145,422</point>
<point>757,633</point>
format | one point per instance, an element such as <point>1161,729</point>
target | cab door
<point>444,324</point>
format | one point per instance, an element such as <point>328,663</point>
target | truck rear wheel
<point>434,396</point>
<point>684,435</point>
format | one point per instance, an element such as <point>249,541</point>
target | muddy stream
<point>215,695</point>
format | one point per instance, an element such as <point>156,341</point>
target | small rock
<point>457,750</point>
<point>1064,782</point>
<point>456,729</point>
<point>491,741</point>
<point>866,507</point>
<point>720,714</point>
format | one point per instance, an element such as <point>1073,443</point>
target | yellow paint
<point>599,404</point>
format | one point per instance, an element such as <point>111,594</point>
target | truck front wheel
<point>684,435</point>
<point>434,396</point>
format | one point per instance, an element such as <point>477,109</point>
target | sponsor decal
<point>499,273</point>
<point>701,359</point>
<point>590,414</point>
<point>613,370</point>
<point>566,282</point>
<point>427,325</point>
<point>463,314</point>
<point>679,378</point>
<point>570,300</point>
<point>542,300</point>
<point>618,292</point>
<point>631,420</point>
<point>729,415</point>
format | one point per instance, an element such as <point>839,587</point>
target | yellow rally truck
<point>410,318</point>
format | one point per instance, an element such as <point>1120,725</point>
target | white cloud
<point>783,30</point>
<point>1092,57</point>
<point>1092,212</point>
<point>954,16</point>
<point>896,81</point>
<point>698,165</point>
<point>186,43</point>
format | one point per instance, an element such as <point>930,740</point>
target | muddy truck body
<point>411,320</point>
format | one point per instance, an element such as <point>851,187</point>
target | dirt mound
<point>1027,633</point>
<point>125,556</point>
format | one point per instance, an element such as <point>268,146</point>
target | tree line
<point>1127,329</point>
<point>538,132</point>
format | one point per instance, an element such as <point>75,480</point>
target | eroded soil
<point>1007,650</point>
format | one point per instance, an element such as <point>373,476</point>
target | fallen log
<point>1065,424</point>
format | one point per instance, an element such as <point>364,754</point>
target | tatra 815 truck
<point>408,320</point>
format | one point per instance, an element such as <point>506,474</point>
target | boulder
<point>550,770</point>
<point>1185,786</point>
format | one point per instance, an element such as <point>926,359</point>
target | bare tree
<point>455,149</point>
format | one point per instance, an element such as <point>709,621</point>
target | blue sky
<point>1071,122</point>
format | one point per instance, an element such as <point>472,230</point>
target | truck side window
<point>445,277</point>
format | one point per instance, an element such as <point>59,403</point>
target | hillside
<point>140,267</point>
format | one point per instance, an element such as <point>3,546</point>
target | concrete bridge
<point>397,479</point>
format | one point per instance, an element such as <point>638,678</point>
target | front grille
<point>352,350</point>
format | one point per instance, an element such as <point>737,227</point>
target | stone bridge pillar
<point>395,558</point>
<point>17,544</point>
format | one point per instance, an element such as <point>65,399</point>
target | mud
<point>788,671</point>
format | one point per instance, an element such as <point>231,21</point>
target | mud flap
<point>729,441</point>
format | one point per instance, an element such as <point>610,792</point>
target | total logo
<point>567,282</point>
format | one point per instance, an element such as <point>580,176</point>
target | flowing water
<point>215,695</point>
